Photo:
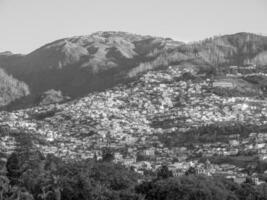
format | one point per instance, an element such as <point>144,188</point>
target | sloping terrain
<point>11,89</point>
<point>78,65</point>
<point>140,113</point>
<point>183,104</point>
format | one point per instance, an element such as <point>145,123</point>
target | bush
<point>199,188</point>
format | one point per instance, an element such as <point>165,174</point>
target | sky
<point>28,24</point>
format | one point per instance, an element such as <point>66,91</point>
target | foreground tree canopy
<point>34,176</point>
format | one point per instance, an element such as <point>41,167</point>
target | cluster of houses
<point>129,119</point>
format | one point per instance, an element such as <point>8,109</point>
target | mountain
<point>236,49</point>
<point>82,64</point>
<point>212,54</point>
<point>78,65</point>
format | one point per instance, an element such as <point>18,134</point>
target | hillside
<point>174,104</point>
<point>161,105</point>
<point>11,89</point>
<point>83,64</point>
<point>78,65</point>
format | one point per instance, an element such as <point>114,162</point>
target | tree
<point>13,168</point>
<point>4,186</point>
<point>51,96</point>
<point>107,155</point>
<point>191,171</point>
<point>186,187</point>
<point>164,172</point>
<point>11,88</point>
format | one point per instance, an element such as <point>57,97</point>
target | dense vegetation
<point>11,88</point>
<point>210,133</point>
<point>29,175</point>
<point>34,176</point>
<point>194,187</point>
<point>51,96</point>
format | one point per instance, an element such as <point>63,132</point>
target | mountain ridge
<point>79,65</point>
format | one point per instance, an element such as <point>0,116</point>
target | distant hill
<point>78,65</point>
<point>212,53</point>
<point>237,49</point>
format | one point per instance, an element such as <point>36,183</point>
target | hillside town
<point>131,119</point>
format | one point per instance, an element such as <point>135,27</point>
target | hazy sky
<point>28,24</point>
